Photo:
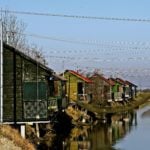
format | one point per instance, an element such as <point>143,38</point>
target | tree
<point>13,31</point>
<point>37,54</point>
<point>14,35</point>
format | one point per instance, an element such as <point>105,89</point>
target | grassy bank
<point>10,139</point>
<point>119,107</point>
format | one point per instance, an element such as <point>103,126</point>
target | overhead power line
<point>96,59</point>
<point>57,39</point>
<point>76,16</point>
<point>113,44</point>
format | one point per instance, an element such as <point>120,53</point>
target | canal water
<point>139,136</point>
<point>128,131</point>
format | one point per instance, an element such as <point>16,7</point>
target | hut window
<point>33,91</point>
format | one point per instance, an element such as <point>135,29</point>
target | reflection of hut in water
<point>101,136</point>
<point>79,139</point>
<point>104,136</point>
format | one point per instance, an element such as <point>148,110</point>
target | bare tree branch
<point>13,34</point>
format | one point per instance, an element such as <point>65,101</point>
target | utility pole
<point>1,71</point>
<point>63,67</point>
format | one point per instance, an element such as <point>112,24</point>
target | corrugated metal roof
<point>80,76</point>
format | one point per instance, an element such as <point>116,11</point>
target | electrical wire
<point>97,59</point>
<point>75,16</point>
<point>118,44</point>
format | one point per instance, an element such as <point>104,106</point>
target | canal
<point>139,136</point>
<point>125,131</point>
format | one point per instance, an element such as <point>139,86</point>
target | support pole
<point>37,90</point>
<point>15,87</point>
<point>23,131</point>
<point>1,71</point>
<point>69,90</point>
<point>37,130</point>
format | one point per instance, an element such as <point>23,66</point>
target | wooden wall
<point>100,90</point>
<point>72,86</point>
<point>8,87</point>
<point>19,72</point>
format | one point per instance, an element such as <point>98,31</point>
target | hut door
<point>80,88</point>
<point>80,91</point>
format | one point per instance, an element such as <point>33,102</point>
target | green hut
<point>127,88</point>
<point>117,89</point>
<point>57,92</point>
<point>26,89</point>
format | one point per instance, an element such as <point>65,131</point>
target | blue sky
<point>105,33</point>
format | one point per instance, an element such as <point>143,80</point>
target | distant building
<point>57,99</point>
<point>117,89</point>
<point>102,89</point>
<point>123,88</point>
<point>131,90</point>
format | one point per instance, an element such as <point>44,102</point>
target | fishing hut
<point>24,88</point>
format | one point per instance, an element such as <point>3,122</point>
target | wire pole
<point>1,71</point>
<point>63,67</point>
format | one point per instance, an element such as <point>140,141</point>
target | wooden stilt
<point>23,131</point>
<point>37,130</point>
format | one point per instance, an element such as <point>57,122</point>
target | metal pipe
<point>15,87</point>
<point>1,72</point>
<point>37,90</point>
<point>69,90</point>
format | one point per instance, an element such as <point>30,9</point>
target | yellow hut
<point>77,86</point>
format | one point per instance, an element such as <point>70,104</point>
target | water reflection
<point>102,136</point>
<point>139,137</point>
<point>146,114</point>
<point>79,138</point>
